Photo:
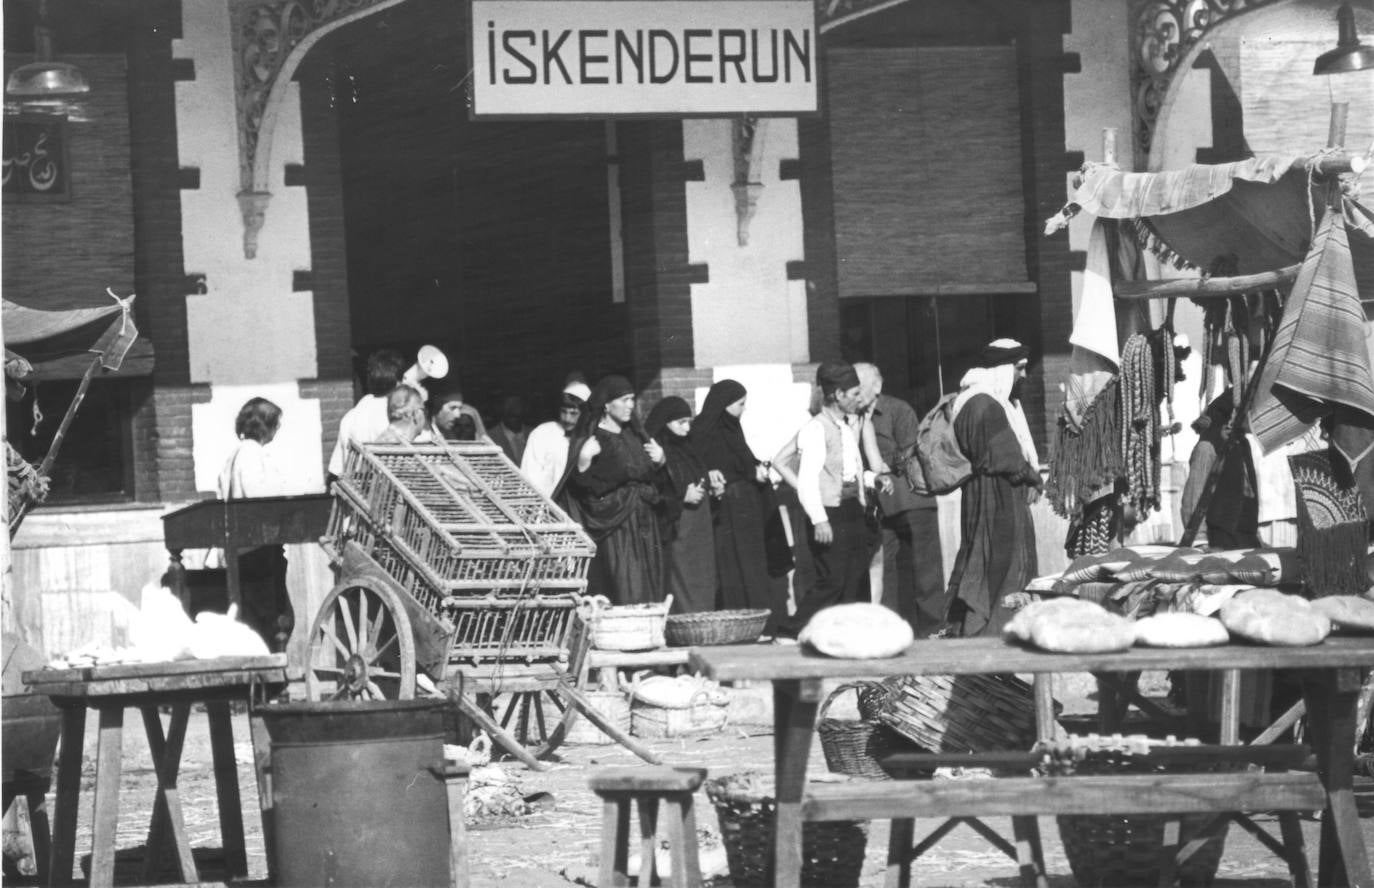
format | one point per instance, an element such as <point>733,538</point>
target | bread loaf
<point>1180,630</point>
<point>1070,625</point>
<point>1351,612</point>
<point>1268,616</point>
<point>858,631</point>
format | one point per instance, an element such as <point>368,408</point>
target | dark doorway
<point>923,344</point>
<point>488,239</point>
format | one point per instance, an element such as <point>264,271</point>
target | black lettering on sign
<point>35,156</point>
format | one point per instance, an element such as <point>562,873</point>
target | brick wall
<point>158,265</point>
<point>328,275</point>
<point>658,279</point>
<point>1046,325</point>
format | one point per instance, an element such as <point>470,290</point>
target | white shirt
<point>249,471</point>
<point>364,424</point>
<point>546,456</point>
<point>811,446</point>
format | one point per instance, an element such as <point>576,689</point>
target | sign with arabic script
<point>626,58</point>
<point>35,157</point>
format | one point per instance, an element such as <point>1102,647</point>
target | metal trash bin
<point>357,794</point>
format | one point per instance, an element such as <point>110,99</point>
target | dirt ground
<point>557,843</point>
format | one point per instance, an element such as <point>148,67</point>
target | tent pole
<point>45,467</point>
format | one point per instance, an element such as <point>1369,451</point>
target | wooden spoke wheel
<point>538,720</point>
<point>361,647</point>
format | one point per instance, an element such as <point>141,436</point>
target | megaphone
<point>430,363</point>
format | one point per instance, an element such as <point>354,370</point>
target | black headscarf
<point>684,466</point>
<point>605,391</point>
<point>718,437</point>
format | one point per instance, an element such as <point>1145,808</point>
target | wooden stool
<point>617,787</point>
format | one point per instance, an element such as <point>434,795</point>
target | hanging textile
<point>1319,361</point>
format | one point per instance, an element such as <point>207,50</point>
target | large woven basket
<point>856,747</point>
<point>715,627</point>
<point>625,627</point>
<point>832,850</point>
<point>701,717</point>
<point>1125,849</point>
<point>964,713</point>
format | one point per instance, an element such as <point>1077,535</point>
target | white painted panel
<point>296,449</point>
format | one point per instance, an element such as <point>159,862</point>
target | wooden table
<point>1331,677</point>
<point>109,690</point>
<point>241,524</point>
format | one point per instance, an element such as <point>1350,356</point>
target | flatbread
<point>1180,630</point>
<point>1351,612</point>
<point>1072,626</point>
<point>857,631</point>
<point>1065,608</point>
<point>1084,634</point>
<point>1270,617</point>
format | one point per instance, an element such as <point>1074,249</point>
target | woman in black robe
<point>689,562</point>
<point>610,487</point>
<point>740,511</point>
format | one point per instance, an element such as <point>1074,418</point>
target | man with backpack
<point>997,548</point>
<point>913,578</point>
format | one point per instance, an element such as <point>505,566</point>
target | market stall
<point>1282,250</point>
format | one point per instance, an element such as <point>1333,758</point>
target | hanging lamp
<point>44,78</point>
<point>1350,54</point>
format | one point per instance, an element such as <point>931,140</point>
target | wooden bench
<point>650,787</point>
<point>609,663</point>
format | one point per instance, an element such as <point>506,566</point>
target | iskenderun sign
<point>621,58</point>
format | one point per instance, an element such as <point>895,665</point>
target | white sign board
<point>619,58</point>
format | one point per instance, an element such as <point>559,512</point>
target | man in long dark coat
<point>997,550</point>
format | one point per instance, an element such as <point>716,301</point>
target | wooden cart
<point>455,574</point>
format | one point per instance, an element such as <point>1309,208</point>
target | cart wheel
<point>361,646</point>
<point>524,715</point>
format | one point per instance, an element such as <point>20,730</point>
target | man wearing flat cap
<point>830,486</point>
<point>997,548</point>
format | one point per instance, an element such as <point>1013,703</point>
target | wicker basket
<point>625,627</point>
<point>611,704</point>
<point>701,717</point>
<point>832,850</point>
<point>715,627</point>
<point>856,747</point>
<point>964,713</point>
<point>1124,849</point>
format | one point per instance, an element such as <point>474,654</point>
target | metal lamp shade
<point>1350,54</point>
<point>45,79</point>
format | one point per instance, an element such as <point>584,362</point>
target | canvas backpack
<point>936,464</point>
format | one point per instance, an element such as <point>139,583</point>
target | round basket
<point>963,713</point>
<point>1124,849</point>
<point>625,627</point>
<point>715,627</point>
<point>857,747</point>
<point>832,850</point>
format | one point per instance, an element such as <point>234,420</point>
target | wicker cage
<point>715,627</point>
<point>856,747</point>
<point>1125,849</point>
<point>832,850</point>
<point>465,535</point>
<point>964,713</point>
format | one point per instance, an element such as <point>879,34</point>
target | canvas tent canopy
<point>36,341</point>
